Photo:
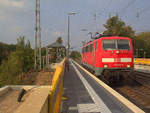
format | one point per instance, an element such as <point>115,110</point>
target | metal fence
<point>57,89</point>
<point>143,61</point>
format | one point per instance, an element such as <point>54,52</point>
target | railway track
<point>142,77</point>
<point>136,96</point>
<point>137,90</point>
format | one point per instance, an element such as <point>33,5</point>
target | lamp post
<point>70,13</point>
<point>137,53</point>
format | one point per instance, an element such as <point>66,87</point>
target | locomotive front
<point>116,58</point>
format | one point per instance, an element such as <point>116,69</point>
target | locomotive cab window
<point>123,44</point>
<point>116,44</point>
<point>109,44</point>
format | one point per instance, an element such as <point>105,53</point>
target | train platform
<point>142,68</point>
<point>84,93</point>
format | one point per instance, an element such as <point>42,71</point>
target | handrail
<point>57,89</point>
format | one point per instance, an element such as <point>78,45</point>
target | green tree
<point>5,50</point>
<point>142,42</point>
<point>115,26</point>
<point>10,69</point>
<point>59,40</point>
<point>25,53</point>
<point>18,62</point>
<point>75,55</point>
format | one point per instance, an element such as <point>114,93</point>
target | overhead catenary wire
<point>138,15</point>
<point>105,8</point>
<point>123,10</point>
<point>140,12</point>
<point>144,10</point>
<point>96,14</point>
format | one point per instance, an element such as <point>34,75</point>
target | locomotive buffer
<point>85,95</point>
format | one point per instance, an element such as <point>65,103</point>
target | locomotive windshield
<point>109,44</point>
<point>116,44</point>
<point>123,44</point>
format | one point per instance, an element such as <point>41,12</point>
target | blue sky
<point>17,18</point>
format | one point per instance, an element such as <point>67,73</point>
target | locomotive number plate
<point>117,59</point>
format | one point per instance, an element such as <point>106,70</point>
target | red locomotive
<point>111,58</point>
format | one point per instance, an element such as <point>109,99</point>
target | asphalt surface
<point>85,95</point>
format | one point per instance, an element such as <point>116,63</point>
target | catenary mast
<point>37,36</point>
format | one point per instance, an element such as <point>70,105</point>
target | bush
<point>75,55</point>
<point>20,61</point>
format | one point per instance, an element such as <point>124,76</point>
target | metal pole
<point>48,60</point>
<point>35,49</point>
<point>40,59</point>
<point>46,56</point>
<point>71,13</point>
<point>68,36</point>
<point>137,53</point>
<point>43,62</point>
<point>35,54</point>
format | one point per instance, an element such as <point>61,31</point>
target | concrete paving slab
<point>36,102</point>
<point>35,99</point>
<point>142,68</point>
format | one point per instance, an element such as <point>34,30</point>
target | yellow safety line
<point>122,99</point>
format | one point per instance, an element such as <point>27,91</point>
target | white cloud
<point>12,3</point>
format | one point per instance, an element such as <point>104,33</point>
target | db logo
<point>117,60</point>
<point>119,65</point>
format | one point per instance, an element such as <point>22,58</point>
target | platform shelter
<point>56,52</point>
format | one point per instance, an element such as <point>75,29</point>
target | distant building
<point>55,52</point>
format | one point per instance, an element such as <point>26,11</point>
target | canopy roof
<point>56,45</point>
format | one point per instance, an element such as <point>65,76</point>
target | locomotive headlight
<point>128,65</point>
<point>105,65</point>
<point>117,52</point>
